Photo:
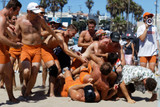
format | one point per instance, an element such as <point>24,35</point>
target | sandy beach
<point>39,98</point>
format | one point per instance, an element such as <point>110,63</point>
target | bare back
<point>51,42</point>
<point>30,30</point>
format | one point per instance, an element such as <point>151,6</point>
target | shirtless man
<point>100,76</point>
<point>48,56</point>
<point>86,37</point>
<point>103,46</point>
<point>78,91</point>
<point>14,53</point>
<point>29,26</point>
<point>12,8</point>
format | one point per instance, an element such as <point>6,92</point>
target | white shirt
<point>149,46</point>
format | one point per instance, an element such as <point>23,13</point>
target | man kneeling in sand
<point>143,79</point>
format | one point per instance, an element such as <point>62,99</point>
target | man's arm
<point>96,59</point>
<point>64,47</point>
<point>81,40</point>
<point>125,92</point>
<point>47,28</point>
<point>75,95</point>
<point>143,36</point>
<point>3,39</point>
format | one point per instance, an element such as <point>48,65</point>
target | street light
<point>128,14</point>
<point>156,2</point>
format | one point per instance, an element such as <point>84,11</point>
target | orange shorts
<point>4,55</point>
<point>150,59</point>
<point>75,64</point>
<point>47,54</point>
<point>69,82</point>
<point>84,72</point>
<point>31,53</point>
<point>15,53</point>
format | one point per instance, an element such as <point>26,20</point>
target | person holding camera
<point>148,42</point>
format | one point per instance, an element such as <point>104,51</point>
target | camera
<point>149,21</point>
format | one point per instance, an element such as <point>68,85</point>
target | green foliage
<point>119,24</point>
<point>89,4</point>
<point>53,5</point>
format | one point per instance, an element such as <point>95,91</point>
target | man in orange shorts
<point>63,53</point>
<point>29,26</point>
<point>14,53</point>
<point>12,8</point>
<point>149,42</point>
<point>78,91</point>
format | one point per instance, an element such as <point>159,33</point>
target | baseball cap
<point>55,19</point>
<point>34,7</point>
<point>115,37</point>
<point>147,14</point>
<point>89,93</point>
<point>99,32</point>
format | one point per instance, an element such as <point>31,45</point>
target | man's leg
<point>125,92</point>
<point>152,63</point>
<point>12,64</point>
<point>44,74</point>
<point>26,68</point>
<point>8,80</point>
<point>143,61</point>
<point>32,79</point>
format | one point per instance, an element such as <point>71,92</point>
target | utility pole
<point>80,6</point>
<point>69,9</point>
<point>4,3</point>
<point>156,4</point>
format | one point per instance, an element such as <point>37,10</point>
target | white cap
<point>34,7</point>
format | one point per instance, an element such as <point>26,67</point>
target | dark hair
<point>131,88</point>
<point>150,84</point>
<point>14,4</point>
<point>89,93</point>
<point>71,26</point>
<point>112,58</point>
<point>91,21</point>
<point>106,68</point>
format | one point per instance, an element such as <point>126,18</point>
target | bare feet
<point>2,87</point>
<point>51,95</point>
<point>131,101</point>
<point>14,100</point>
<point>23,90</point>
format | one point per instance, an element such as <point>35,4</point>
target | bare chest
<point>30,27</point>
<point>87,38</point>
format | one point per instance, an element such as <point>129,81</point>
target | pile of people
<point>98,72</point>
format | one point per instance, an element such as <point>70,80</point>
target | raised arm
<point>47,28</point>
<point>144,34</point>
<point>64,47</point>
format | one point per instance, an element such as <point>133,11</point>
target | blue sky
<point>147,5</point>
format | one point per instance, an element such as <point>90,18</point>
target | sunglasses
<point>43,12</point>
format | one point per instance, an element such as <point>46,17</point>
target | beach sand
<point>39,98</point>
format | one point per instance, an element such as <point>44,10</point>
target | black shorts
<point>63,58</point>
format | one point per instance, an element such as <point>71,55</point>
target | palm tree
<point>119,25</point>
<point>44,3</point>
<point>62,3</point>
<point>53,6</point>
<point>89,4</point>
